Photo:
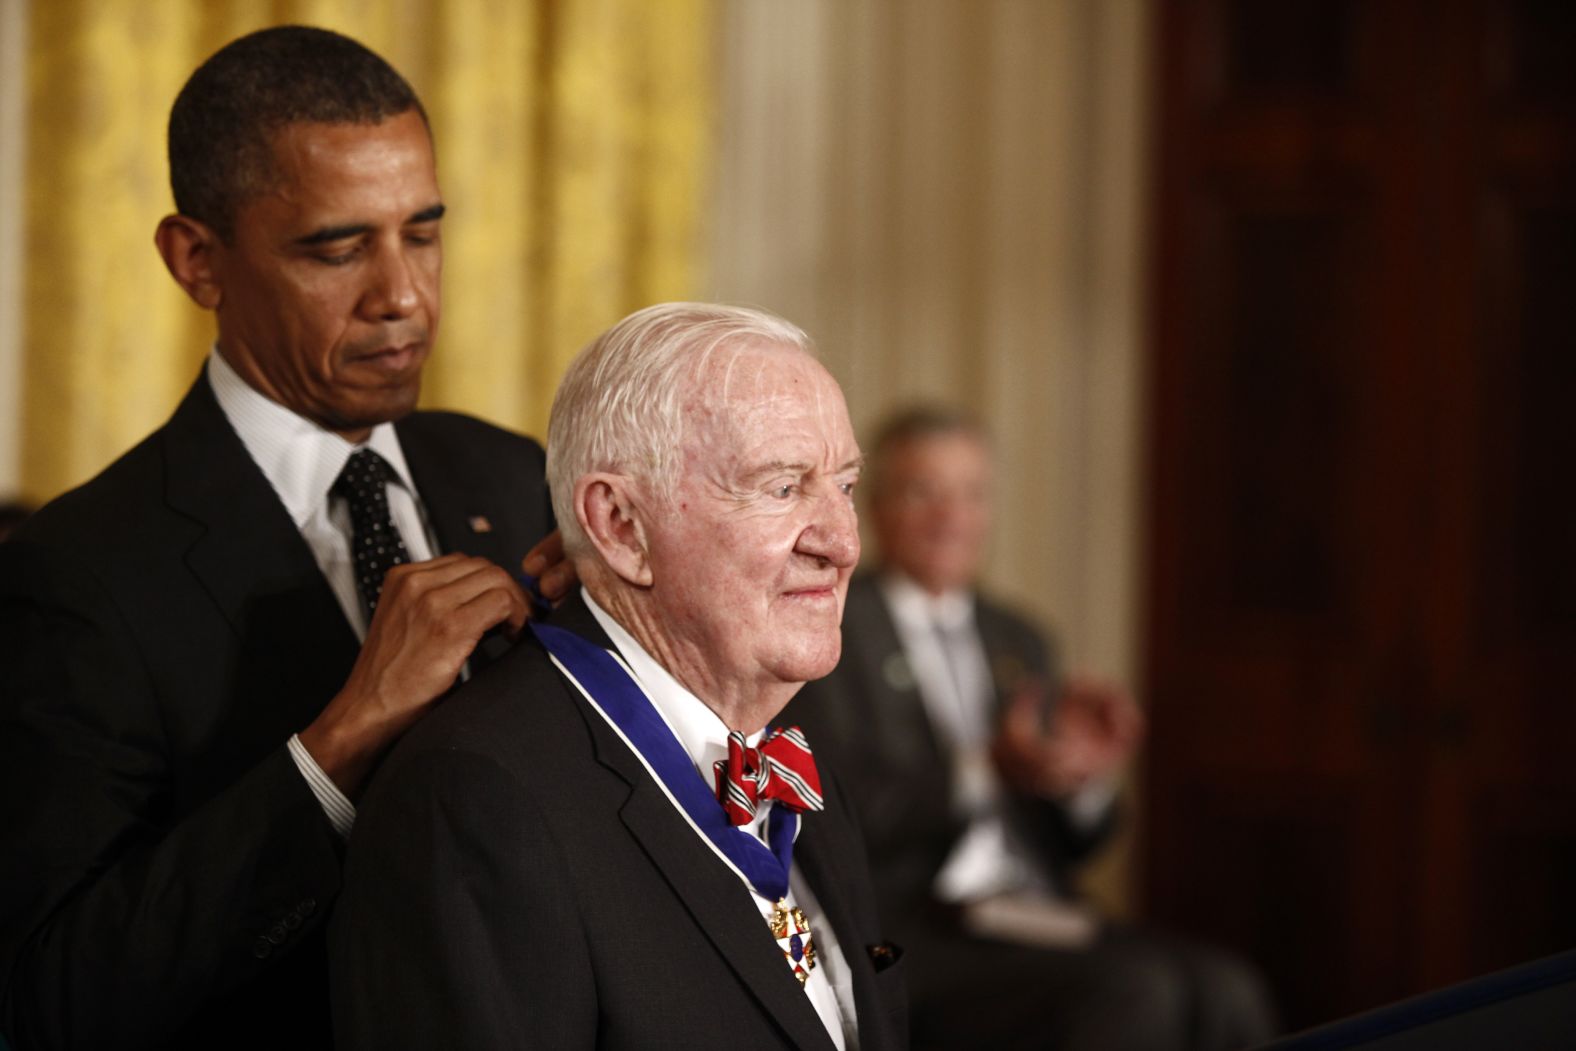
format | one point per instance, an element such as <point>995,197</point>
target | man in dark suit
<point>980,794</point>
<point>202,660</point>
<point>613,862</point>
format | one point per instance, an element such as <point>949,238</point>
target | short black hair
<point>222,121</point>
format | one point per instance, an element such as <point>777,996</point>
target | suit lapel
<point>821,856</point>
<point>251,560</point>
<point>1008,669</point>
<point>463,504</point>
<point>720,906</point>
<point>715,897</point>
<point>910,742</point>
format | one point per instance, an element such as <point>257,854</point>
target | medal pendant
<point>792,931</point>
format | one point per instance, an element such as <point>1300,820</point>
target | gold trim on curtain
<point>573,136</point>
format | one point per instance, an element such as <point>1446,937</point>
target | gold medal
<point>792,931</point>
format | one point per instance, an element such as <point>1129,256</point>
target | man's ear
<point>188,247</point>
<point>604,503</point>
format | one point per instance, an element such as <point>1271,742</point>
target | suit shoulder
<point>988,606</point>
<point>517,708</point>
<point>1002,625</point>
<point>94,507</point>
<point>448,451</point>
<point>512,733</point>
<point>458,432</point>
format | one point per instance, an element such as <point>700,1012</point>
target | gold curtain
<point>573,136</point>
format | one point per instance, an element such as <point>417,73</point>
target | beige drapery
<point>948,195</point>
<point>573,145</point>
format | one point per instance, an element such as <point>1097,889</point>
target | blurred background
<point>1265,301</point>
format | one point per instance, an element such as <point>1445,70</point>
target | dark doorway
<point>1361,654</point>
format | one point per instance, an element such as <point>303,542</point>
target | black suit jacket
<point>869,718</point>
<point>517,879</point>
<point>163,631</point>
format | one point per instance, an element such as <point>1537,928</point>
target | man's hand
<point>429,619</point>
<point>1092,732</point>
<point>555,575</point>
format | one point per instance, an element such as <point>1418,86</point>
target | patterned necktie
<point>780,767</point>
<point>375,543</point>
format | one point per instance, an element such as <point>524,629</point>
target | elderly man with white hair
<point>597,841</point>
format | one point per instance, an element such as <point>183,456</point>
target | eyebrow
<point>766,470</point>
<point>329,234</point>
<point>784,467</point>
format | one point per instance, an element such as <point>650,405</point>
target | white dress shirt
<point>952,671</point>
<point>704,738</point>
<point>301,461</point>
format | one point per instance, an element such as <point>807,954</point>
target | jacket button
<point>292,921</point>
<point>307,906</point>
<point>277,935</point>
<point>261,948</point>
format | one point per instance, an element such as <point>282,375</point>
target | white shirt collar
<point>699,729</point>
<point>299,458</point>
<point>915,608</point>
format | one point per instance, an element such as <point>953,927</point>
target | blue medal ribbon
<point>615,692</point>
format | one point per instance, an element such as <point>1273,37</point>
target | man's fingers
<point>456,596</point>
<point>426,608</point>
<point>455,578</point>
<point>433,571</point>
<point>491,607</point>
<point>438,562</point>
<point>548,552</point>
<point>555,575</point>
<point>1023,713</point>
<point>556,582</point>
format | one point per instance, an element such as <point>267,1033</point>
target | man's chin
<point>389,406</point>
<point>814,662</point>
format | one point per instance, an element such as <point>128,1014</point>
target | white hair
<point>621,404</point>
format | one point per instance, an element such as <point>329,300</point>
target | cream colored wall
<point>947,195</point>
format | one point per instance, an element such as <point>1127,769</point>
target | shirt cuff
<point>1089,805</point>
<point>340,811</point>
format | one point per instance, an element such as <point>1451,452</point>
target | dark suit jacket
<point>517,879</point>
<point>163,631</point>
<point>869,719</point>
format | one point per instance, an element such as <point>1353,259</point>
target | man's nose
<point>833,535</point>
<point>392,293</point>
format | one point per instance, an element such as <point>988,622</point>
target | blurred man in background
<point>983,778</point>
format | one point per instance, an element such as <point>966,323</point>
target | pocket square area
<point>884,955</point>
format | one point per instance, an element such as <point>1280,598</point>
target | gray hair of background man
<point>621,405</point>
<point>220,126</point>
<point>913,424</point>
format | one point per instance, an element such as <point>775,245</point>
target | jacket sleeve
<point>458,925</point>
<point>125,905</point>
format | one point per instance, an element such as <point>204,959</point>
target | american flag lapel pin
<point>480,524</point>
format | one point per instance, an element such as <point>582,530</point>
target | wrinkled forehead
<point>742,392</point>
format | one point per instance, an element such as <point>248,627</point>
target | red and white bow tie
<point>780,767</point>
